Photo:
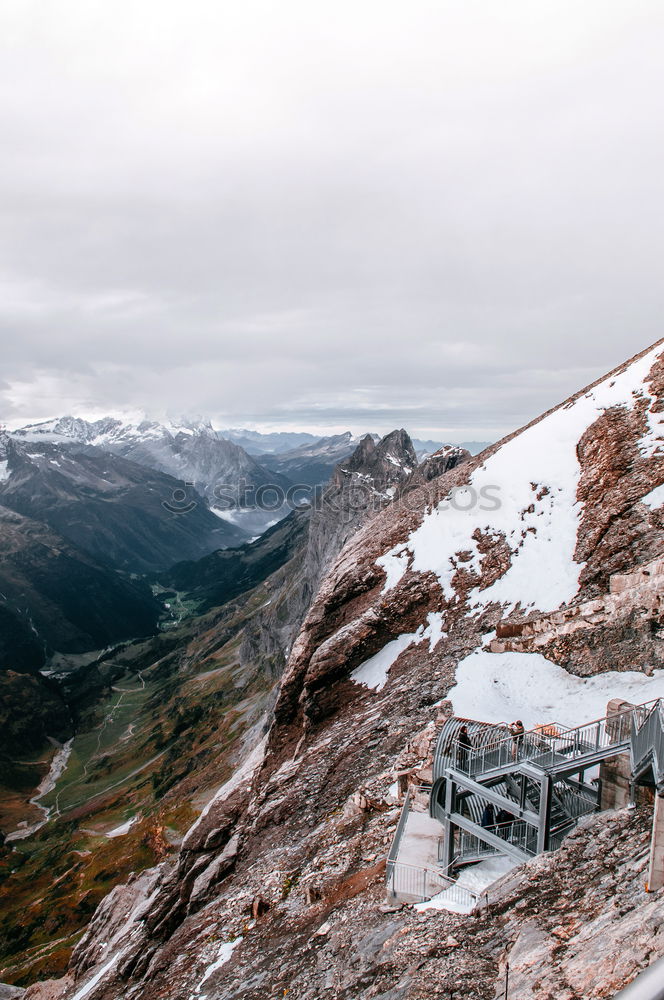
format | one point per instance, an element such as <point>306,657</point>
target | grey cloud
<point>432,215</point>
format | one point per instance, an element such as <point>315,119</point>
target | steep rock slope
<point>362,485</point>
<point>541,520</point>
<point>536,524</point>
<point>207,680</point>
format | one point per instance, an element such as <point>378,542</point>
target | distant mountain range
<point>277,443</point>
<point>92,513</point>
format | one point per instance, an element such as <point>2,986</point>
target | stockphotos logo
<point>359,493</point>
<point>181,501</point>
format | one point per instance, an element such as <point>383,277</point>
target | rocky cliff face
<point>185,704</point>
<point>541,520</point>
<point>362,485</point>
<point>278,886</point>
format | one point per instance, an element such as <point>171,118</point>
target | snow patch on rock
<point>534,477</point>
<point>223,955</point>
<point>499,687</point>
<point>244,773</point>
<point>120,831</point>
<point>395,563</point>
<point>97,978</point>
<point>476,878</point>
<point>654,499</point>
<point>374,671</point>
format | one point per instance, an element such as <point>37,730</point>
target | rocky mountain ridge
<point>278,886</point>
<point>216,667</point>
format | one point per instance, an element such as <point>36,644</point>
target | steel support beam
<point>544,824</point>
<point>484,792</point>
<point>503,846</point>
<point>450,805</point>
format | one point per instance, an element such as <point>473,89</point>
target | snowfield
<point>535,477</point>
<point>501,687</point>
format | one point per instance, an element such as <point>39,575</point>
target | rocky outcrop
<point>442,461</point>
<point>312,463</point>
<point>620,630</point>
<point>474,544</point>
<point>10,992</point>
<point>363,485</point>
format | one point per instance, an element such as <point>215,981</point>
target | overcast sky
<point>302,214</point>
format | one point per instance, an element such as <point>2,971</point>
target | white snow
<point>373,672</point>
<point>654,499</point>
<point>120,831</point>
<point>434,629</point>
<point>395,564</point>
<point>4,471</point>
<point>652,442</point>
<point>537,469</point>
<point>89,986</point>
<point>476,878</point>
<point>501,687</point>
<point>225,951</point>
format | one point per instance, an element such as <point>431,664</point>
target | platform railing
<point>398,834</point>
<point>545,745</point>
<point>421,883</point>
<point>575,803</point>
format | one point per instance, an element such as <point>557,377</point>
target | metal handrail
<point>393,852</point>
<point>517,832</point>
<point>537,744</point>
<point>575,803</point>
<point>648,985</point>
<point>419,880</point>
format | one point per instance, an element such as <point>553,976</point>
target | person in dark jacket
<point>504,819</point>
<point>464,745</point>
<point>489,817</point>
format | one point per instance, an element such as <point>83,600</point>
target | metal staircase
<point>647,747</point>
<point>539,780</point>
